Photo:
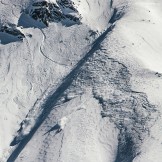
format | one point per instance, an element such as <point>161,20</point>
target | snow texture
<point>81,80</point>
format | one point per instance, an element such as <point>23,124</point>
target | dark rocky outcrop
<point>62,11</point>
<point>12,30</point>
<point>10,33</point>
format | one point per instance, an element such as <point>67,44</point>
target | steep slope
<point>86,90</point>
<point>32,67</point>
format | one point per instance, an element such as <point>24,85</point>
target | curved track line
<point>41,51</point>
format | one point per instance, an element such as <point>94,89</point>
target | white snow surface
<point>86,137</point>
<point>33,69</point>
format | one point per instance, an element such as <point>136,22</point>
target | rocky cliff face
<point>11,29</point>
<point>63,11</point>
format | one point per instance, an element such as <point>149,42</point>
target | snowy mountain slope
<point>83,119</point>
<point>23,87</point>
<point>130,111</point>
<point>38,63</point>
<point>107,107</point>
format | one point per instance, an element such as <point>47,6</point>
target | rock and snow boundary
<point>106,85</point>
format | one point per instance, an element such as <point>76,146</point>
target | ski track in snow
<point>41,51</point>
<point>88,5</point>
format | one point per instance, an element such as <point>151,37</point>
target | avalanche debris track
<point>131,112</point>
<point>109,79</point>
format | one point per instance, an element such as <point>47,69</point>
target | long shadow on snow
<point>52,100</point>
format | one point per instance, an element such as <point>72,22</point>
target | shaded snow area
<point>81,81</point>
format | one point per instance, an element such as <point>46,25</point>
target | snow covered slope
<point>81,80</point>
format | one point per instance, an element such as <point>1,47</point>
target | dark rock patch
<point>10,33</point>
<point>63,11</point>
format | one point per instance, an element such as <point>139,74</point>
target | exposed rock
<point>62,11</point>
<point>12,30</point>
<point>67,4</point>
